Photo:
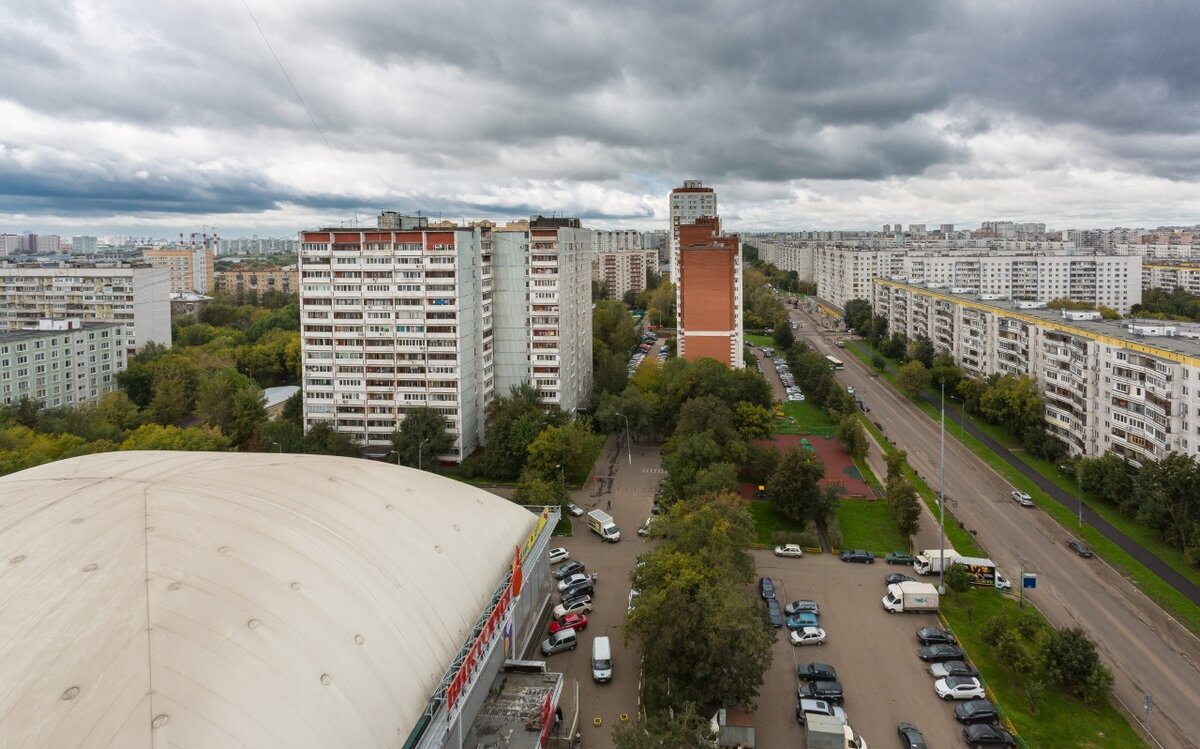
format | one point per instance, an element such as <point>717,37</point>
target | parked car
<point>850,389</point>
<point>816,672</point>
<point>941,652</point>
<point>1080,548</point>
<point>1022,499</point>
<point>559,555</point>
<point>789,550</point>
<point>952,668</point>
<point>959,688</point>
<point>568,569</point>
<point>807,707</point>
<point>773,613</point>
<point>766,587</point>
<point>864,406</point>
<point>896,577</point>
<point>910,737</point>
<point>576,590</point>
<point>634,593</point>
<point>858,555</point>
<point>560,641</point>
<point>574,578</point>
<point>570,621</point>
<point>802,620</point>
<point>656,508</point>
<point>830,691</point>
<point>795,607</point>
<point>900,557</point>
<point>577,605</point>
<point>574,509</point>
<point>976,711</point>
<point>984,735</point>
<point>807,636</point>
<point>645,529</point>
<point>933,635</point>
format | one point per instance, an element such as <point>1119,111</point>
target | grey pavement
<point>1148,651</point>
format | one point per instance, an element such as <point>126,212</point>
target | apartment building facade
<point>687,203</point>
<point>845,273</point>
<point>1168,277</point>
<point>623,271</point>
<point>191,269</point>
<point>789,256</point>
<point>709,313</point>
<point>1130,386</point>
<point>61,362</point>
<point>139,297</point>
<point>396,319</point>
<point>243,282</point>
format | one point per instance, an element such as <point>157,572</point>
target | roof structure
<point>155,599</point>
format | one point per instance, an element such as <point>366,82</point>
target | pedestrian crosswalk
<point>654,470</point>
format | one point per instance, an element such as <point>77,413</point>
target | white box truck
<point>827,732</point>
<point>930,561</point>
<point>910,597</point>
<point>602,523</point>
<point>982,571</point>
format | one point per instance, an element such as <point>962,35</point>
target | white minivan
<point>602,666</point>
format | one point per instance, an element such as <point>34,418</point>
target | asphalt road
<point>1148,651</point>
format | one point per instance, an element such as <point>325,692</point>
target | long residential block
<point>1131,386</point>
<point>61,362</point>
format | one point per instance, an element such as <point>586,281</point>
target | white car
<point>850,389</point>
<point>645,529</point>
<point>578,577</point>
<point>807,636</point>
<point>559,555</point>
<point>789,550</point>
<point>634,593</point>
<point>580,605</point>
<point>959,688</point>
<point>1022,499</point>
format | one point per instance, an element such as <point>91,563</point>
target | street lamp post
<point>942,499</point>
<point>962,418</point>
<point>420,452</point>
<point>278,447</point>
<point>1079,494</point>
<point>628,449</point>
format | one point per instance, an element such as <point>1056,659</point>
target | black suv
<point>858,555</point>
<point>816,672</point>
<point>584,588</point>
<point>981,736</point>
<point>933,635</point>
<point>766,587</point>
<point>976,711</point>
<point>830,691</point>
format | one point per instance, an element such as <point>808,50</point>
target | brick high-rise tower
<point>710,292</point>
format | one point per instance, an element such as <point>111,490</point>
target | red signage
<point>462,678</point>
<point>547,716</point>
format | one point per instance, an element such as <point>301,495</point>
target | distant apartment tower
<point>10,244</point>
<point>709,314</point>
<point>138,297</point>
<point>620,262</point>
<point>83,245</point>
<point>688,203</point>
<point>191,269</point>
<point>61,362</point>
<point>244,282</point>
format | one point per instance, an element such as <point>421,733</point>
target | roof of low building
<point>237,599</point>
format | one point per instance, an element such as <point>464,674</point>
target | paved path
<point>1149,652</point>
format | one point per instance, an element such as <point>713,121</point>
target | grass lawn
<point>756,339</point>
<point>809,417</point>
<point>869,525</point>
<point>564,526</point>
<point>868,475</point>
<point>767,522</point>
<point>1060,721</point>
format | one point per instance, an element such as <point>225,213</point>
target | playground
<point>840,471</point>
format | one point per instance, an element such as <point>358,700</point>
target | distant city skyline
<point>144,119</point>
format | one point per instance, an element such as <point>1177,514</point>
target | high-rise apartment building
<point>242,282</point>
<point>138,297</point>
<point>709,314</point>
<point>413,316</point>
<point>191,269</point>
<point>620,262</point>
<point>61,362</point>
<point>83,245</point>
<point>10,244</point>
<point>1131,386</point>
<point>1168,277</point>
<point>688,203</point>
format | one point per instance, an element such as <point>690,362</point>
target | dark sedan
<point>983,735</point>
<point>568,569</point>
<point>1080,548</point>
<point>766,587</point>
<point>774,614</point>
<point>896,577</point>
<point>830,691</point>
<point>910,737</point>
<point>933,636</point>
<point>900,557</point>
<point>816,672</point>
<point>858,555</point>
<point>976,711</point>
<point>584,588</point>
<point>941,652</point>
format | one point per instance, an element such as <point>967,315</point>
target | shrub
<point>993,628</point>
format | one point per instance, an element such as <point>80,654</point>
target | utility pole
<point>942,499</point>
<point>420,450</point>
<point>628,449</point>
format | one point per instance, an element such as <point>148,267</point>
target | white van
<point>602,666</point>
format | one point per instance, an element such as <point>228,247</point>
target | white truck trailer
<point>930,561</point>
<point>602,524</point>
<point>911,597</point>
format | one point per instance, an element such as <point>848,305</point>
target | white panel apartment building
<point>845,273</point>
<point>62,362</point>
<point>788,255</point>
<point>1128,386</point>
<point>1167,277</point>
<point>688,203</point>
<point>620,262</point>
<point>392,320</point>
<point>138,297</point>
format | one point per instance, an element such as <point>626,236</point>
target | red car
<point>574,621</point>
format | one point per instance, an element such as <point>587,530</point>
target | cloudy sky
<point>154,117</point>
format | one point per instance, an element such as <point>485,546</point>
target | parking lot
<point>874,652</point>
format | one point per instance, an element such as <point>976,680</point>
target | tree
<point>878,362</point>
<point>921,350</point>
<point>1014,403</point>
<point>159,437</point>
<point>906,506</point>
<point>853,437</point>
<point>794,491</point>
<point>945,371</point>
<point>957,578</point>
<point>539,492</point>
<point>422,437</point>
<point>858,315</point>
<point>1170,501</point>
<point>1068,658</point>
<point>513,422</point>
<point>754,422</point>
<point>895,347</point>
<point>230,401</point>
<point>684,457</point>
<point>896,460</point>
<point>783,335</point>
<point>971,391</point>
<point>1107,477</point>
<point>912,378</point>
<point>678,729</point>
<point>118,410</point>
<point>323,439</point>
<point>570,446</point>
<point>715,527</point>
<point>174,389</point>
